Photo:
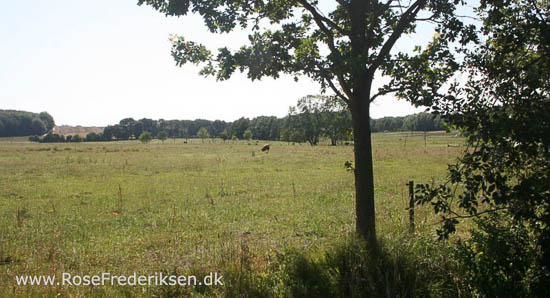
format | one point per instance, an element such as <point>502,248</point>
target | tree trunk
<point>364,178</point>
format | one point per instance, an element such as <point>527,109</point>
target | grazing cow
<point>266,148</point>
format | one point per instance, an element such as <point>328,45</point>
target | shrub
<point>77,138</point>
<point>145,137</point>
<point>499,260</point>
<point>34,138</point>
<point>52,138</point>
<point>92,137</point>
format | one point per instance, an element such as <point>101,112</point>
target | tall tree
<point>341,49</point>
<point>308,111</point>
<point>265,128</point>
<point>21,123</point>
<point>47,119</point>
<point>335,119</point>
<point>291,130</point>
<point>37,127</point>
<point>239,126</point>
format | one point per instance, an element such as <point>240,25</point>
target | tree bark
<point>364,175</point>
<point>361,82</point>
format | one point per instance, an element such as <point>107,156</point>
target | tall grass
<point>197,207</point>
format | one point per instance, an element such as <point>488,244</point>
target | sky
<point>95,62</point>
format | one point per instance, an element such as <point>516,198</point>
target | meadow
<point>124,207</point>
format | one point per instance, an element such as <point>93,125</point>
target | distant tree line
<point>129,128</point>
<point>20,123</point>
<point>313,118</point>
<point>416,122</point>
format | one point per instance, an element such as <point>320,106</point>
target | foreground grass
<point>194,208</point>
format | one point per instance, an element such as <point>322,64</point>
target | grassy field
<point>190,208</point>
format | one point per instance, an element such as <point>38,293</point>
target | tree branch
<point>318,18</point>
<point>322,20</point>
<point>460,216</point>
<point>331,84</point>
<point>338,93</point>
<point>405,20</point>
<point>384,92</point>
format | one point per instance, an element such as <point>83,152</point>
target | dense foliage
<point>20,123</point>
<point>416,122</point>
<point>503,182</point>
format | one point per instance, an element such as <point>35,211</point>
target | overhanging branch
<point>321,20</point>
<point>338,93</point>
<point>384,92</point>
<point>405,20</point>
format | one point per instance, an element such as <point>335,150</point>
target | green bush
<point>34,138</point>
<point>77,138</point>
<point>145,137</point>
<point>52,138</point>
<point>92,137</point>
<point>499,260</point>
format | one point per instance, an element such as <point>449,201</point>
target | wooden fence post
<point>411,206</point>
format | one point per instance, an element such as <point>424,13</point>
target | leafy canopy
<point>338,49</point>
<point>503,108</point>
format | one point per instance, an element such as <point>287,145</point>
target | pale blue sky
<point>95,62</point>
